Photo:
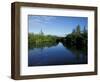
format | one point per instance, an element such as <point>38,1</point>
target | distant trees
<point>31,38</point>
<point>78,31</point>
<point>41,32</point>
<point>40,40</point>
<point>84,30</point>
<point>77,38</point>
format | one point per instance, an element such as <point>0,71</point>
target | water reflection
<point>42,45</point>
<point>77,51</point>
<point>55,54</point>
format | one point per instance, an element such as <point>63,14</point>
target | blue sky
<point>55,25</point>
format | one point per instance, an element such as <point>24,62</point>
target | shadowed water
<point>55,55</point>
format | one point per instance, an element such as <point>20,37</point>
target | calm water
<point>55,55</point>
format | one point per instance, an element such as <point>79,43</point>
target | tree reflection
<point>43,45</point>
<point>78,52</point>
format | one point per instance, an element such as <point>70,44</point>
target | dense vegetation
<point>76,39</point>
<point>40,40</point>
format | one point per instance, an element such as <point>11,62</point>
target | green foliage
<point>84,30</point>
<point>77,38</point>
<point>35,40</point>
<point>78,29</point>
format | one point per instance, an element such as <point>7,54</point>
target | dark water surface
<point>55,55</point>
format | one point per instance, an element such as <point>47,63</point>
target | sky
<point>55,25</point>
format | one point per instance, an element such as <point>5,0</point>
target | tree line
<point>78,38</point>
<point>40,40</point>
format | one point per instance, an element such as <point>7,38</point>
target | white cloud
<point>41,19</point>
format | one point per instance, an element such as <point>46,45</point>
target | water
<point>55,55</point>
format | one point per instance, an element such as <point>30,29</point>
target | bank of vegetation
<point>40,40</point>
<point>77,39</point>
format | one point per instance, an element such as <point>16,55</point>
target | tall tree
<point>41,32</point>
<point>78,31</point>
<point>84,30</point>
